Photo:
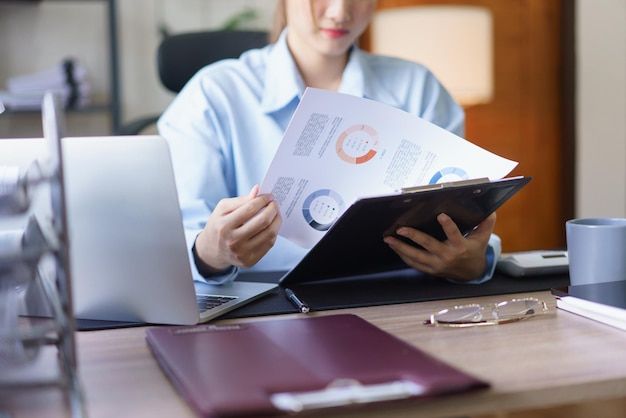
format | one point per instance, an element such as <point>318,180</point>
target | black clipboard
<point>354,245</point>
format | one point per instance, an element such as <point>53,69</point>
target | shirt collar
<point>360,79</point>
<point>283,82</point>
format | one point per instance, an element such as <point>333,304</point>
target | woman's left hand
<point>458,258</point>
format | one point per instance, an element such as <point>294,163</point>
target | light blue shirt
<point>224,127</point>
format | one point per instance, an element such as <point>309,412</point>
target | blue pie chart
<point>321,208</point>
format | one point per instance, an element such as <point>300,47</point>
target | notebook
<point>127,250</point>
<point>304,365</point>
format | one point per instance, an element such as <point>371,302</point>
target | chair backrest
<point>180,56</point>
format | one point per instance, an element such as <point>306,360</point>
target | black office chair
<point>180,56</point>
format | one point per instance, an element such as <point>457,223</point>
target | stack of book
<point>68,79</point>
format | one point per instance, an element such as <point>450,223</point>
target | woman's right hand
<point>240,231</point>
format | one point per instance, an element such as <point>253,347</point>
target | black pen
<point>300,305</point>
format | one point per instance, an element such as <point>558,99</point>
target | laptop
<point>127,252</point>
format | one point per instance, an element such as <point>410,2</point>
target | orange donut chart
<point>358,144</point>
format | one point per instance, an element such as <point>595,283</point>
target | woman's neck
<point>320,71</point>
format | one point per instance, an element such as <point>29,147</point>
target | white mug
<point>596,250</point>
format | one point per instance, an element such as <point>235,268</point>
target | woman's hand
<point>458,258</point>
<point>240,231</point>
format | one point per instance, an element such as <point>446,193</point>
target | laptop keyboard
<point>207,302</point>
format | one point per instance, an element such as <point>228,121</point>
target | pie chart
<point>358,144</point>
<point>321,208</point>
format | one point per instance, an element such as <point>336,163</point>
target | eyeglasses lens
<point>469,313</point>
<point>516,308</point>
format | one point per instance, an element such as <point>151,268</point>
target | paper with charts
<point>338,148</point>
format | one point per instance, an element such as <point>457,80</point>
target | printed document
<point>338,148</point>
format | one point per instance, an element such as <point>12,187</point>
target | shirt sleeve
<point>440,108</point>
<point>227,275</point>
<point>191,130</point>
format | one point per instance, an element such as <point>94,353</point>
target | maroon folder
<point>298,365</point>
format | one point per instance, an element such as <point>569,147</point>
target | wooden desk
<point>554,359</point>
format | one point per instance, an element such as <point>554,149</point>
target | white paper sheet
<point>610,315</point>
<point>338,148</point>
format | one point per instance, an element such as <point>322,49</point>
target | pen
<point>300,305</point>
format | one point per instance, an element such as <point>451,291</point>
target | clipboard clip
<point>437,186</point>
<point>343,392</point>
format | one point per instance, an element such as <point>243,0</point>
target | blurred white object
<point>68,80</point>
<point>534,262</point>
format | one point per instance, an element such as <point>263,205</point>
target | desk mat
<point>394,288</point>
<point>400,288</point>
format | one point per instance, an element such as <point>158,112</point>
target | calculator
<point>533,263</point>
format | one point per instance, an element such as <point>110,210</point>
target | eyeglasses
<point>474,314</point>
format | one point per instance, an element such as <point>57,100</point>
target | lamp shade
<point>454,42</point>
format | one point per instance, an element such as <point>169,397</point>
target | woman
<point>225,125</point>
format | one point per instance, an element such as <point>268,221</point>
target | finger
<point>413,256</point>
<point>260,221</point>
<point>428,242</point>
<point>254,191</point>
<point>262,242</point>
<point>243,208</point>
<point>253,240</point>
<point>230,204</point>
<point>453,234</point>
<point>422,262</point>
